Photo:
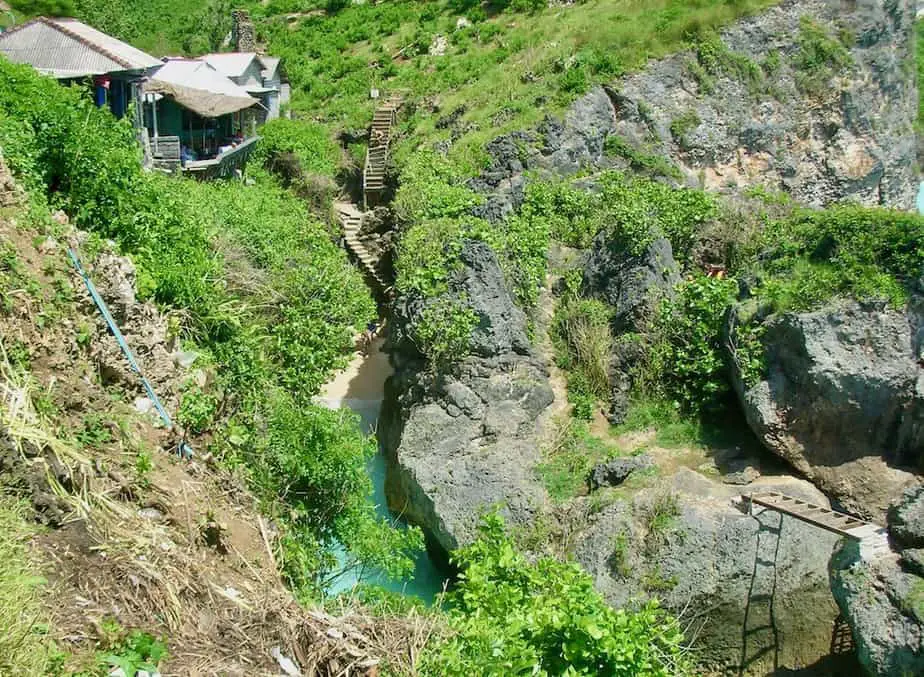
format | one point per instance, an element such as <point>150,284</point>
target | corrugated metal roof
<point>232,64</point>
<point>67,48</point>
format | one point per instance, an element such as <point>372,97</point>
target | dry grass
<point>221,608</point>
<point>24,647</point>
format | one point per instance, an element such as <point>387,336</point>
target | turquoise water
<point>428,579</point>
<point>921,198</point>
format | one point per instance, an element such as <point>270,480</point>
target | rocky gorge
<point>841,400</point>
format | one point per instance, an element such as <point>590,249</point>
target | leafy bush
<point>512,617</point>
<point>687,364</point>
<point>44,7</point>
<point>869,253</point>
<point>647,163</point>
<point>684,124</point>
<point>640,210</point>
<point>316,458</point>
<point>167,27</point>
<point>443,332</point>
<point>309,142</point>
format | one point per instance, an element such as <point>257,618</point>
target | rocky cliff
<point>883,598</point>
<point>466,440</point>
<point>742,580</point>
<point>812,97</point>
<point>842,401</point>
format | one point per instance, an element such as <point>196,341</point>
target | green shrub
<point>309,142</point>
<point>819,57</point>
<point>683,125</point>
<point>443,332</point>
<point>512,617</point>
<point>639,210</point>
<point>687,363</point>
<point>316,458</point>
<point>648,163</point>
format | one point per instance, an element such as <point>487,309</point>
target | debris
<point>287,664</point>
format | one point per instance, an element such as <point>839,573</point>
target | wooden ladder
<point>873,538</point>
<point>380,131</point>
<point>351,219</point>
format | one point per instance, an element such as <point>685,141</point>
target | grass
<point>506,70</point>
<point>570,459</point>
<point>24,645</point>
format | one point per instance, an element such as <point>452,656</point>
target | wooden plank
<point>829,520</point>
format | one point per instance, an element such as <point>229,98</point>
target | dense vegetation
<point>511,617</point>
<point>268,301</point>
<point>788,258</point>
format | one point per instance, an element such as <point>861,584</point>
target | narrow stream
<point>360,387</point>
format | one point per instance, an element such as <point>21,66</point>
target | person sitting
<point>186,155</point>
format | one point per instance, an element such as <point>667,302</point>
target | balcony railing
<point>224,164</point>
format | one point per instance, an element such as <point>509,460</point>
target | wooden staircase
<point>351,219</point>
<point>873,539</point>
<point>380,133</point>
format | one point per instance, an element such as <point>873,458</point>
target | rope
<point>184,449</point>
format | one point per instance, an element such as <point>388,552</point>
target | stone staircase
<point>377,156</point>
<point>351,219</point>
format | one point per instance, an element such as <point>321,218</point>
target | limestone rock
<point>460,444</point>
<point>616,471</point>
<point>717,562</point>
<point>853,140</point>
<point>479,284</point>
<point>906,518</point>
<point>632,285</point>
<point>843,401</point>
<point>884,606</point>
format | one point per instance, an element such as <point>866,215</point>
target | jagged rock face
<point>906,518</point>
<point>462,442</point>
<point>568,146</point>
<point>852,140</point>
<point>843,401</point>
<point>884,606</point>
<point>632,285</point>
<point>716,563</point>
<point>480,282</point>
<point>883,599</point>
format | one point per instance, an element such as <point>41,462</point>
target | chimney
<point>242,35</point>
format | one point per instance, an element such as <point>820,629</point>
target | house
<point>71,51</point>
<point>198,118</point>
<point>195,115</point>
<point>262,76</point>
